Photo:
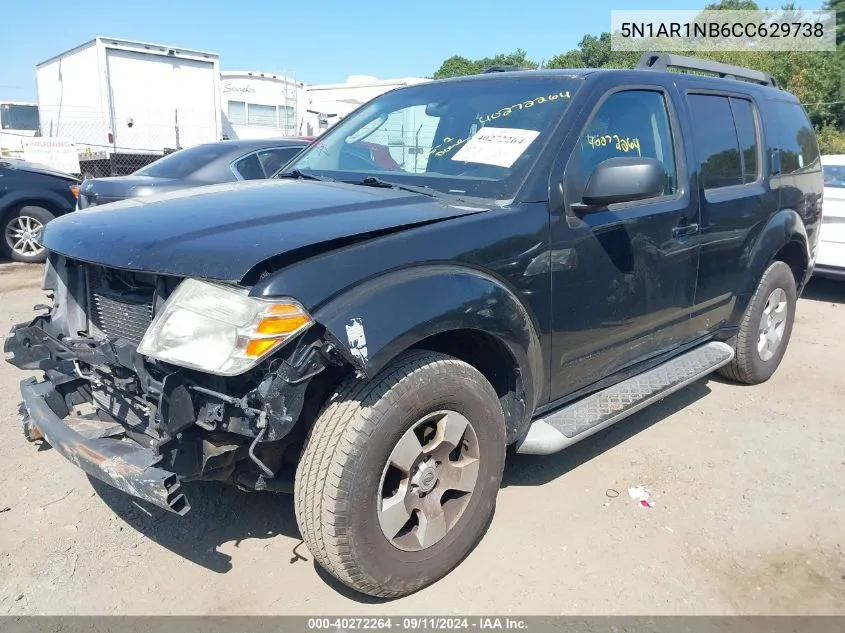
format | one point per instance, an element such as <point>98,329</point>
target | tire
<point>344,472</point>
<point>750,364</point>
<point>25,224</point>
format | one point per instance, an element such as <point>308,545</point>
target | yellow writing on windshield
<point>623,144</point>
<point>530,103</point>
<point>444,147</point>
<point>436,150</point>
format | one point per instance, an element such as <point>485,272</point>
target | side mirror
<point>624,179</point>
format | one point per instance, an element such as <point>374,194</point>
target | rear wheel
<point>399,475</point>
<point>22,231</point>
<point>765,329</point>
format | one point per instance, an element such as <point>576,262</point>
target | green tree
<point>594,52</point>
<point>455,66</point>
<point>839,7</point>
<point>458,66</point>
<point>733,5</point>
<point>816,78</point>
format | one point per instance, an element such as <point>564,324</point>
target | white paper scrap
<point>499,146</point>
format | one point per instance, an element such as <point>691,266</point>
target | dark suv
<point>553,251</point>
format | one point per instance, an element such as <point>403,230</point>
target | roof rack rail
<point>502,69</point>
<point>663,61</point>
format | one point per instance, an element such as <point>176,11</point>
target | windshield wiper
<point>301,175</point>
<point>372,181</point>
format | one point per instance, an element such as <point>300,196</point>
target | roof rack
<point>664,61</point>
<point>502,69</point>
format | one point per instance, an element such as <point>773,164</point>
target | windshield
<point>834,176</point>
<point>475,138</point>
<point>184,162</point>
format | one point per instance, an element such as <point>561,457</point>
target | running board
<point>572,423</point>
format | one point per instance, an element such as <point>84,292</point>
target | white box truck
<point>128,103</point>
<point>18,121</point>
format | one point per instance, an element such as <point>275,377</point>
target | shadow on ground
<point>534,470</point>
<point>825,290</point>
<point>222,514</point>
<point>219,514</point>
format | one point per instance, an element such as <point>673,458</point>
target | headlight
<point>218,329</point>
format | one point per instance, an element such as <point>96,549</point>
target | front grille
<point>121,319</point>
<point>119,309</point>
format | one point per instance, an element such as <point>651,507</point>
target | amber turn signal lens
<point>258,346</point>
<point>283,309</point>
<point>281,325</point>
<point>74,189</point>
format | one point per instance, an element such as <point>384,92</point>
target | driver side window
<point>628,123</point>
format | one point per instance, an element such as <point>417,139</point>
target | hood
<point>38,168</point>
<point>222,231</point>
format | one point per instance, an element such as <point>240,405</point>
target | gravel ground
<point>749,518</point>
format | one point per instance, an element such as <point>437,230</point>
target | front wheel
<point>22,234</point>
<point>399,475</point>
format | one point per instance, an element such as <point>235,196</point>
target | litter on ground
<point>642,496</point>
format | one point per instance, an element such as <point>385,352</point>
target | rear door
<point>623,276</point>
<point>736,199</point>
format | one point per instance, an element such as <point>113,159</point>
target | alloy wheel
<point>428,480</point>
<point>23,235</point>
<point>772,324</point>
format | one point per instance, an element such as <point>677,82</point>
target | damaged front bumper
<point>183,431</point>
<point>84,441</point>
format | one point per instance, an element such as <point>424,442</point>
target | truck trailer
<point>128,103</point>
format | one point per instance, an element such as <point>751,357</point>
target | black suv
<point>553,251</point>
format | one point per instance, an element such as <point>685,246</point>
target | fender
<point>783,227</point>
<point>378,319</point>
<point>35,196</point>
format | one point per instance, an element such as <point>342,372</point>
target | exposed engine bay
<point>191,424</point>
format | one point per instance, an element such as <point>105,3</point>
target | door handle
<point>683,231</point>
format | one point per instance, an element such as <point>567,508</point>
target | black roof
<point>250,144</point>
<point>741,79</point>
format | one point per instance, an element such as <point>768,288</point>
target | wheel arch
<point>783,238</point>
<point>456,310</point>
<point>794,254</point>
<point>51,204</point>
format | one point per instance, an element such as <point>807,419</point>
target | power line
<point>823,103</point>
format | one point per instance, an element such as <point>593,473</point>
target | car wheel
<point>765,328</point>
<point>399,475</point>
<point>22,234</point>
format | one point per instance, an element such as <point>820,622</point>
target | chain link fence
<point>408,136</point>
<point>122,142</point>
<point>119,143</point>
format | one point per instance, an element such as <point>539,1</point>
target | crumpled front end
<point>141,425</point>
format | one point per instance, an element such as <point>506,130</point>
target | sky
<point>321,42</point>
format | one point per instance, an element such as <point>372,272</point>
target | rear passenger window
<point>628,123</point>
<point>249,167</point>
<point>715,141</point>
<point>726,140</point>
<point>798,148</point>
<point>746,131</point>
<point>275,158</point>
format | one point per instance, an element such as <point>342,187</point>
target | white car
<point>830,261</point>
